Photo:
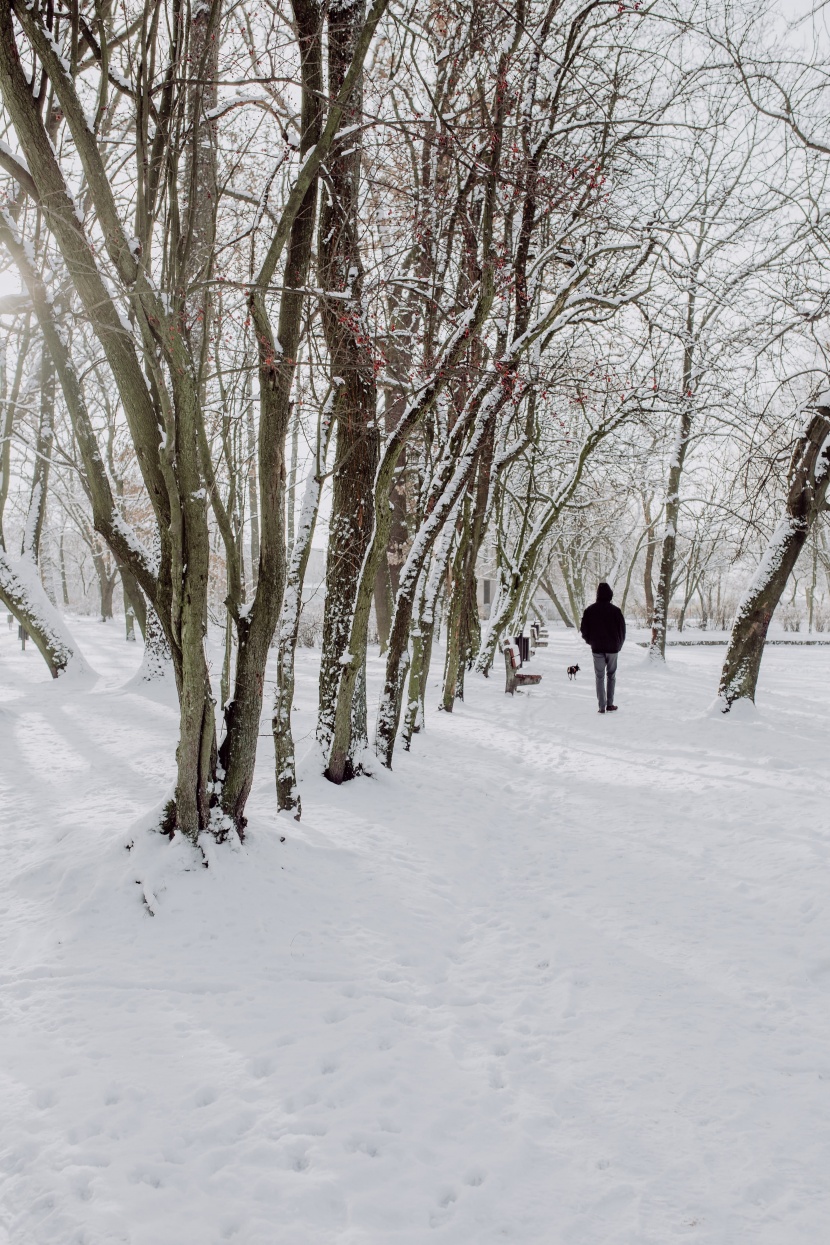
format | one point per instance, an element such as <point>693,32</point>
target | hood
<point>604,592</point>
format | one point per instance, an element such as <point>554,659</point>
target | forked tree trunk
<point>277,369</point>
<point>808,480</point>
<point>153,411</point>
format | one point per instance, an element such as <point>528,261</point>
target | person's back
<point>603,627</point>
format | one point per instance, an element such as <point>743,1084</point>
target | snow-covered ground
<point>558,978</point>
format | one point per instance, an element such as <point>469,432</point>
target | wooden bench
<point>514,675</point>
<point>540,635</point>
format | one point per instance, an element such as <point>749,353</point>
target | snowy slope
<point>558,978</point>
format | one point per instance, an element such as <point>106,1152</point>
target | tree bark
<point>648,564</point>
<point>669,545</point>
<point>64,580</point>
<point>253,495</point>
<point>808,479</point>
<point>672,504</point>
<point>355,407</point>
<point>134,601</point>
<point>288,794</point>
<point>446,494</point>
<point>277,367</point>
<point>462,652</point>
<point>157,662</point>
<point>36,510</point>
<point>423,634</point>
<point>106,582</point>
<point>457,584</point>
<point>383,602</point>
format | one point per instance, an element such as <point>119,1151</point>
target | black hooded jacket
<point>603,625</point>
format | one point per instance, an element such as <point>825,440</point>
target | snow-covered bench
<point>514,675</point>
<point>540,635</point>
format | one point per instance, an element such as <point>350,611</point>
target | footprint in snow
<point>260,1067</point>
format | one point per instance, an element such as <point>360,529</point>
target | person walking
<point>603,627</point>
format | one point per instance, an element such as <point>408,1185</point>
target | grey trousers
<point>605,666</point>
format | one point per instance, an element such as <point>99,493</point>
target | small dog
<point>573,671</point>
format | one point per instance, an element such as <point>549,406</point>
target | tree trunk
<point>808,479</point>
<point>452,482</point>
<point>291,493</point>
<point>253,496</point>
<point>64,581</point>
<point>383,603</point>
<point>648,566</point>
<point>462,653</point>
<point>106,581</point>
<point>43,457</point>
<point>9,407</point>
<point>672,506</point>
<point>134,600</point>
<point>288,795</point>
<point>567,580</point>
<point>422,637</point>
<point>389,710</point>
<point>352,369</point>
<point>277,369</point>
<point>455,610</point>
<point>157,662</point>
<point>551,591</point>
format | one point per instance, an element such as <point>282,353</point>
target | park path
<point>557,978</point>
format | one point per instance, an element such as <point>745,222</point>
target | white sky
<point>9,283</point>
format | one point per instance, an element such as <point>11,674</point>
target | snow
<point>556,979</point>
<point>119,80</point>
<point>21,585</point>
<point>21,160</point>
